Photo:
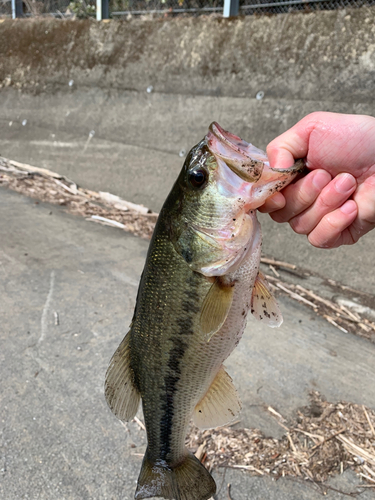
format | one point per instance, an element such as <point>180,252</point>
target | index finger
<point>285,149</point>
<point>294,143</point>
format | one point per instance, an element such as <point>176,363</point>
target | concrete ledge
<point>322,55</point>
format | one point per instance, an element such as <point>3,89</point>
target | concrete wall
<point>201,69</point>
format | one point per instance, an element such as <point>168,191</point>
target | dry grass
<point>323,440</point>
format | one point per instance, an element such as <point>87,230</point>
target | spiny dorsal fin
<point>216,307</point>
<point>263,304</point>
<point>220,405</point>
<point>121,395</point>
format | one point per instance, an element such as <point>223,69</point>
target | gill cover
<point>224,179</point>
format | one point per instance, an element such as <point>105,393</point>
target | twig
<point>347,311</point>
<point>228,491</point>
<point>140,423</point>
<point>71,190</point>
<point>121,204</point>
<point>105,221</point>
<point>30,168</point>
<point>367,477</point>
<point>265,260</point>
<point>245,467</point>
<point>274,412</point>
<point>325,302</point>
<point>356,450</point>
<point>296,296</point>
<point>367,469</point>
<point>368,420</point>
<point>291,442</point>
<point>328,439</point>
<point>274,271</point>
<point>200,451</point>
<point>333,322</point>
<point>312,436</point>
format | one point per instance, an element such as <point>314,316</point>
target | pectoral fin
<point>121,394</point>
<point>263,304</point>
<point>216,307</point>
<point>220,405</point>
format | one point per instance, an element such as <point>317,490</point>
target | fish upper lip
<point>233,150</point>
<point>250,164</point>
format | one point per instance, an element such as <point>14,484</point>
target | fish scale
<point>200,280</point>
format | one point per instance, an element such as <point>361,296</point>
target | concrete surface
<point>322,55</point>
<point>61,80</point>
<point>135,154</point>
<point>58,438</point>
<point>58,82</point>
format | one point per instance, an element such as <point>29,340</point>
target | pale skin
<point>334,204</point>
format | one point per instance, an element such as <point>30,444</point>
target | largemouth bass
<point>200,279</point>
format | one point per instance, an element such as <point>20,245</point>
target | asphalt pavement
<point>68,289</point>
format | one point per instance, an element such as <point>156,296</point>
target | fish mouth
<point>243,158</point>
<point>251,165</point>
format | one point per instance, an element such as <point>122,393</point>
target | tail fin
<point>189,480</point>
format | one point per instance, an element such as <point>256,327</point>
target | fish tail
<point>189,480</point>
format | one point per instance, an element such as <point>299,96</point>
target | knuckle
<point>298,226</point>
<point>324,204</point>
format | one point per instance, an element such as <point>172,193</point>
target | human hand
<point>334,204</point>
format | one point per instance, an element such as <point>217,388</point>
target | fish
<point>200,280</point>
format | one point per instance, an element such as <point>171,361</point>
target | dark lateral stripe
<point>180,345</point>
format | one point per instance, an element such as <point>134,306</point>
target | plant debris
<point>51,187</point>
<point>324,439</point>
<point>111,210</point>
<point>340,316</point>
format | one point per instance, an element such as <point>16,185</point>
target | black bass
<point>200,280</point>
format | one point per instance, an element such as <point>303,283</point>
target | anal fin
<point>220,405</point>
<point>121,394</point>
<point>264,306</point>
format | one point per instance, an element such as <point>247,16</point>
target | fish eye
<point>198,177</point>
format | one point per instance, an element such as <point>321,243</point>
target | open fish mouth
<point>243,158</point>
<point>251,165</point>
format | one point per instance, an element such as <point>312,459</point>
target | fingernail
<point>349,207</point>
<point>320,180</point>
<point>344,183</point>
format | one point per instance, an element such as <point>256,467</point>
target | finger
<point>332,231</point>
<point>276,202</point>
<point>364,196</point>
<point>294,143</point>
<point>283,150</point>
<point>332,197</point>
<point>301,195</point>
